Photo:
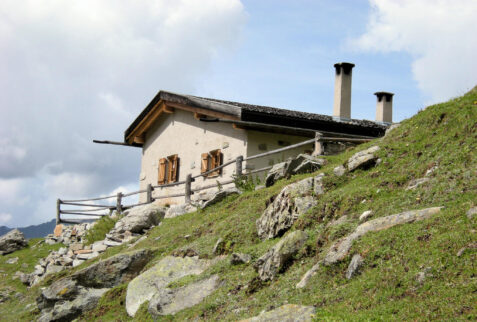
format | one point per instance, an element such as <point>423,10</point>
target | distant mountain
<point>33,231</point>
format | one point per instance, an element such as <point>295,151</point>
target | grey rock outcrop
<point>219,196</point>
<point>308,275</point>
<point>339,250</point>
<point>12,241</point>
<point>239,258</point>
<point>339,171</point>
<point>365,215</point>
<point>286,313</point>
<point>68,297</point>
<point>363,159</point>
<point>179,210</point>
<point>146,285</point>
<point>413,184</point>
<point>273,261</point>
<point>303,163</point>
<point>170,301</point>
<point>354,266</point>
<point>139,218</point>
<point>294,200</point>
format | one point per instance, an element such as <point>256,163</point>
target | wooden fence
<point>96,211</point>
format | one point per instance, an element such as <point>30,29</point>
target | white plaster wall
<point>271,141</point>
<point>180,133</point>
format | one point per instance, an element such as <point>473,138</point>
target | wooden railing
<point>96,211</point>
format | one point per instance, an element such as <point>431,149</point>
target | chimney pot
<point>342,99</point>
<point>384,107</point>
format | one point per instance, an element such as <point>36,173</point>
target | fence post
<point>188,188</point>
<point>118,202</point>
<point>149,193</point>
<point>58,211</point>
<point>238,166</point>
<point>319,149</point>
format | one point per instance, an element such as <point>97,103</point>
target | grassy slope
<point>444,134</point>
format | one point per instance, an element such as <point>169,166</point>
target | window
<point>211,160</point>
<point>168,169</point>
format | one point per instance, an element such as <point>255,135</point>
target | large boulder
<point>293,201</point>
<point>339,250</point>
<point>273,261</point>
<point>303,163</point>
<point>167,270</point>
<point>114,270</point>
<point>286,313</point>
<point>219,196</point>
<point>139,218</point>
<point>363,159</point>
<point>12,241</point>
<point>179,210</point>
<point>170,301</point>
<point>67,298</point>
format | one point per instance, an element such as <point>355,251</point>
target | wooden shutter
<point>216,160</point>
<point>161,179</point>
<point>204,162</point>
<point>172,168</point>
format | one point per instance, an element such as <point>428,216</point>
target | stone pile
<point>68,234</point>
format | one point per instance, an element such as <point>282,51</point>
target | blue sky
<point>71,72</point>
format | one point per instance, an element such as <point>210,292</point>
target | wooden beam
<point>203,111</point>
<point>198,116</point>
<point>146,122</point>
<point>140,139</point>
<point>168,109</point>
<point>238,127</point>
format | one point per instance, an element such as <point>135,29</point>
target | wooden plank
<point>139,139</point>
<point>146,122</point>
<point>85,205</point>
<point>82,214</point>
<point>200,110</point>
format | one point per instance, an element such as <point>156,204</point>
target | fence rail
<point>188,190</point>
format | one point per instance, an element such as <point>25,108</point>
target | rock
<point>318,187</point>
<point>277,172</point>
<point>431,170</point>
<point>76,246</point>
<point>61,290</point>
<point>413,184</point>
<point>392,127</point>
<point>219,247</point>
<point>219,196</point>
<point>354,265</point>
<point>113,271</point>
<point>463,249</point>
<point>87,256</point>
<point>339,171</point>
<point>365,215</point>
<point>62,251</point>
<point>139,218</point>
<point>363,159</point>
<point>12,241</point>
<point>12,260</point>
<point>259,187</point>
<point>51,269</point>
<point>238,258</point>
<point>306,164</point>
<point>303,163</point>
<point>341,220</point>
<point>471,213</point>
<point>99,247</point>
<point>86,300</point>
<point>77,262</point>
<point>270,264</point>
<point>39,270</point>
<point>143,287</point>
<point>187,252</point>
<point>308,275</point>
<point>170,301</point>
<point>57,232</point>
<point>111,243</point>
<point>26,279</point>
<point>339,250</point>
<point>285,209</point>
<point>286,313</point>
<point>4,296</point>
<point>178,210</point>
<point>83,251</point>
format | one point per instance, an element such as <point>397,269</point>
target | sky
<point>71,72</point>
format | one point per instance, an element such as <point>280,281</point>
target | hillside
<point>417,271</point>
<point>33,231</point>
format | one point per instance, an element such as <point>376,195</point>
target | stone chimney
<point>342,101</point>
<point>384,107</point>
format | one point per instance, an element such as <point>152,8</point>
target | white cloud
<point>5,218</point>
<point>71,72</point>
<point>440,35</point>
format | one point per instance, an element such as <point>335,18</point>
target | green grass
<point>100,229</point>
<point>386,288</point>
